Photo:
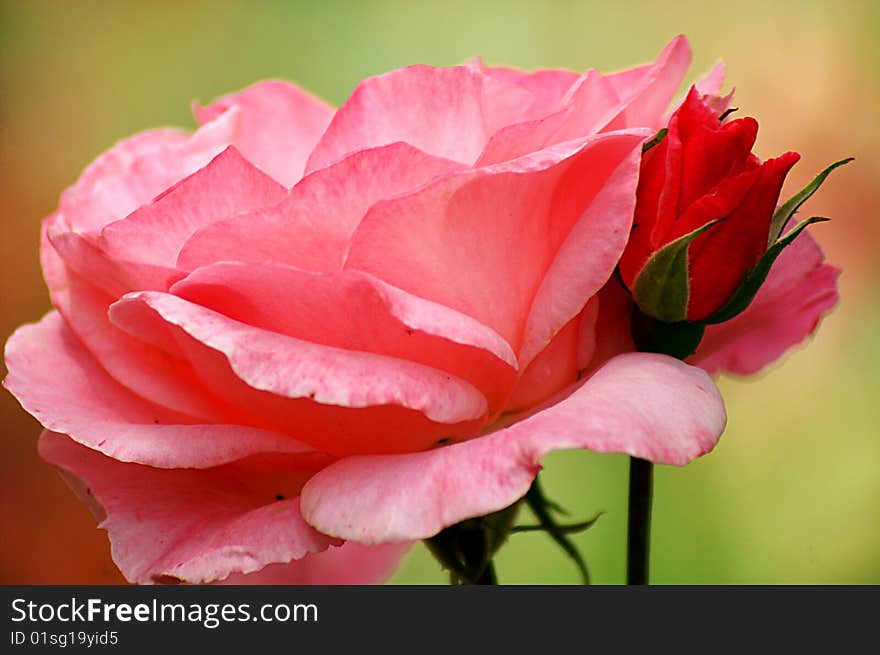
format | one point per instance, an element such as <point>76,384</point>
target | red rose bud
<point>703,217</point>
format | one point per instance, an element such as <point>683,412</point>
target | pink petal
<point>280,125</point>
<point>142,368</point>
<point>612,330</point>
<point>447,112</point>
<point>710,84</point>
<point>311,229</point>
<point>339,401</point>
<point>123,179</point>
<point>192,525</point>
<point>547,87</point>
<point>137,169</point>
<point>482,241</point>
<point>587,257</point>
<point>520,139</point>
<point>556,366</point>
<point>587,107</point>
<point>626,83</point>
<point>708,88</point>
<point>59,383</point>
<point>646,405</point>
<point>648,91</point>
<point>348,564</point>
<point>107,189</point>
<point>593,102</point>
<point>355,311</point>
<point>83,254</point>
<point>799,291</point>
<point>154,234</point>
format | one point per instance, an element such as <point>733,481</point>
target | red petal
<point>720,259</point>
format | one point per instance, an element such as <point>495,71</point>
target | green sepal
<point>656,139</point>
<point>662,288</point>
<point>679,339</point>
<point>753,280</point>
<point>785,211</point>
<point>467,548</point>
<point>540,506</point>
<point>561,528</point>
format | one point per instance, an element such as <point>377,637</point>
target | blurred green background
<point>792,493</point>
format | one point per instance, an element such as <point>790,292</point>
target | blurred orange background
<point>792,494</point>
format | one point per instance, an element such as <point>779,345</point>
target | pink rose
<point>299,339</point>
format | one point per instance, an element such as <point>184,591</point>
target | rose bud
<point>705,231</point>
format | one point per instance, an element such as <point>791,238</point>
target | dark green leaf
<point>753,280</point>
<point>662,288</point>
<point>786,210</point>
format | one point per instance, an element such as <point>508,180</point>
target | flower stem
<point>641,482</point>
<point>488,575</point>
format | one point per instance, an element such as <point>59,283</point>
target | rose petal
<point>311,229</point>
<point>547,87</point>
<point>612,331</point>
<point>626,83</point>
<point>555,367</point>
<point>719,259</point>
<point>447,112</point>
<point>520,139</point>
<point>107,189</point>
<point>575,276</point>
<point>82,254</point>
<point>587,107</point>
<point>709,89</point>
<point>717,204</point>
<point>350,563</point>
<point>280,125</point>
<point>137,169</point>
<point>711,151</point>
<point>647,91</point>
<point>593,102</point>
<point>140,251</point>
<point>338,400</point>
<point>192,525</point>
<point>481,241</point>
<point>355,311</point>
<point>147,371</point>
<point>710,84</point>
<point>57,381</point>
<point>154,234</point>
<point>799,291</point>
<point>645,405</point>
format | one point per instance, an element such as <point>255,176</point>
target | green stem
<point>641,482</point>
<point>488,575</point>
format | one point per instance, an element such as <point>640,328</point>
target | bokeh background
<point>792,493</point>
